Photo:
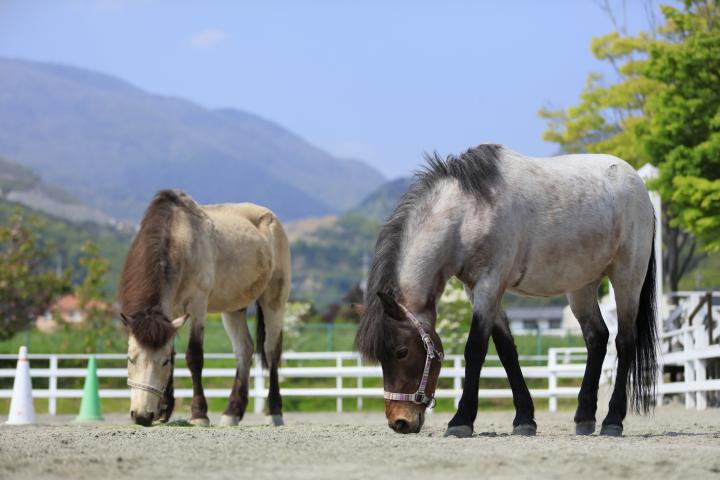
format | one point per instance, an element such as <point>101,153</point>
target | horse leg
<point>524,422</point>
<point>236,328</point>
<point>194,359</point>
<point>272,350</point>
<point>461,425</point>
<point>634,280</point>
<point>485,308</point>
<point>584,305</point>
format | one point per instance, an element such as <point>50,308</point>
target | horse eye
<point>401,353</point>
<point>131,360</point>
<point>167,360</point>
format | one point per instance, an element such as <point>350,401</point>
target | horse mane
<point>147,268</point>
<point>477,173</point>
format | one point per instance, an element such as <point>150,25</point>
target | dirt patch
<point>675,443</point>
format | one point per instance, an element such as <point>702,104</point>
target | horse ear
<point>180,321</point>
<point>391,307</point>
<point>125,320</point>
<point>358,308</point>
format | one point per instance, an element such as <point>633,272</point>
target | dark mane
<point>147,268</point>
<point>477,172</point>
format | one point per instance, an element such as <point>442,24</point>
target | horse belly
<point>240,281</point>
<point>565,266</point>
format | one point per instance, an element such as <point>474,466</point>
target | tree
<point>454,312</point>
<point>634,117</point>
<point>682,124</point>
<point>28,284</point>
<point>99,326</point>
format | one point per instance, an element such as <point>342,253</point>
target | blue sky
<point>382,81</point>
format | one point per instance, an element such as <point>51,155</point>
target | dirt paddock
<point>674,443</point>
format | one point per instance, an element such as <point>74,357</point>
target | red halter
<point>419,396</point>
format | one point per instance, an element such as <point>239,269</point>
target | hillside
<point>21,185</point>
<point>113,145</point>
<point>329,254</point>
<point>69,238</point>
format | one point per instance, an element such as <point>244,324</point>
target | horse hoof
<point>229,421</point>
<point>200,421</point>
<point>585,428</point>
<point>528,430</point>
<point>459,431</point>
<point>611,430</point>
<point>276,420</point>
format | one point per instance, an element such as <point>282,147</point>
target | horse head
<point>411,360</point>
<point>150,362</point>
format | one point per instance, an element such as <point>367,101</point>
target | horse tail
<point>644,370</point>
<point>260,335</point>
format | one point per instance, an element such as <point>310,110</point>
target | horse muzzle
<point>144,419</point>
<point>407,423</point>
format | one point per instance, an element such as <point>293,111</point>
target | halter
<point>419,397</point>
<point>148,388</point>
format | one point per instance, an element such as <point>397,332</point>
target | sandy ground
<point>675,443</point>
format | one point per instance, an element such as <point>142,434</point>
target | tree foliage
<point>664,109</point>
<point>27,284</point>
<point>99,326</point>
<point>682,124</point>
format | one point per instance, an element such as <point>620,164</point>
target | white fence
<point>690,342</point>
<point>344,367</point>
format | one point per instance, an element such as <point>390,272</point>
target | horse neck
<point>430,256</point>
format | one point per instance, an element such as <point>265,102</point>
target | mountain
<point>21,185</point>
<point>329,254</point>
<point>380,204</point>
<point>113,145</point>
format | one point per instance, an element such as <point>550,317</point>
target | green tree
<point>650,115</point>
<point>454,312</point>
<point>99,327</point>
<point>28,284</point>
<point>682,126</point>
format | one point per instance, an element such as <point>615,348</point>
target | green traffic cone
<point>90,406</point>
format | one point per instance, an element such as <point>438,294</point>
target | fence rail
<point>689,340</point>
<point>560,363</point>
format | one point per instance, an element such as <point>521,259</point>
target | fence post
<point>552,380</point>
<point>359,386</point>
<point>52,386</point>
<point>689,346</point>
<point>700,366</point>
<point>259,386</point>
<point>338,385</point>
<point>457,380</point>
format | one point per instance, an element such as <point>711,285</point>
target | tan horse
<point>188,260</point>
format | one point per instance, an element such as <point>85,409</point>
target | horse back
<point>236,253</point>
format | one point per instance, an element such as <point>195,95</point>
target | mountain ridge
<point>113,145</point>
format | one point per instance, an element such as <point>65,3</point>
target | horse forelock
<point>477,172</point>
<point>151,329</point>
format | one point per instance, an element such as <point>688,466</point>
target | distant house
<point>68,309</point>
<point>530,320</point>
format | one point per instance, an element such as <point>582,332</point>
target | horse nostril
<point>400,426</point>
<point>144,420</point>
<point>132,414</point>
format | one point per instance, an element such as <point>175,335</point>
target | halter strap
<point>148,388</point>
<point>419,397</point>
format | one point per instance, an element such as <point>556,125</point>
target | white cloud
<point>207,38</point>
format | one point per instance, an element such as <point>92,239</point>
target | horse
<point>501,221</point>
<point>185,261</point>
